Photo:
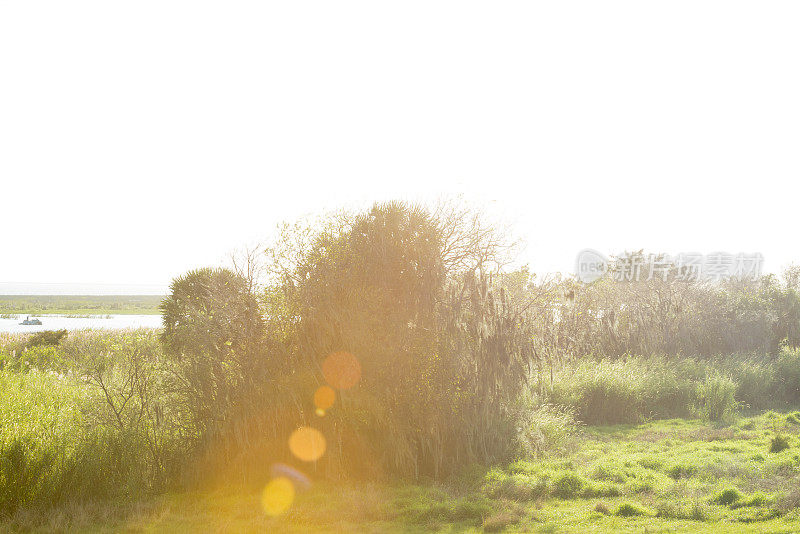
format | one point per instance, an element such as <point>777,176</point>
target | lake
<point>58,322</point>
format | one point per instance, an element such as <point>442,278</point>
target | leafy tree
<point>408,293</point>
<point>213,330</point>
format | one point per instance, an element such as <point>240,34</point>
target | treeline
<point>447,340</point>
<point>661,316</point>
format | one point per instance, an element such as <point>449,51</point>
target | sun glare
<point>307,444</point>
<point>341,370</point>
<point>277,496</point>
<point>324,397</point>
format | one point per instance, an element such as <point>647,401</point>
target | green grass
<point>80,304</point>
<point>666,476</point>
<point>67,463</point>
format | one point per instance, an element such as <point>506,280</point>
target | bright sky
<point>141,139</point>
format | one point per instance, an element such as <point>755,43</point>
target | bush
<point>48,337</point>
<point>717,398</point>
<point>636,389</point>
<point>568,486</point>
<point>787,375</point>
<point>728,496</point>
<point>779,443</point>
<point>628,509</point>
<point>602,508</point>
<point>24,469</point>
<point>545,429</point>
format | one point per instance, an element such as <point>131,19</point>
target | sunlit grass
<point>673,475</point>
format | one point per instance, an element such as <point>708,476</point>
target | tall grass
<point>57,441</point>
<point>636,389</point>
<point>61,440</point>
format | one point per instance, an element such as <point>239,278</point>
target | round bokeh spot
<point>277,496</point>
<point>307,444</point>
<point>341,370</point>
<point>324,397</point>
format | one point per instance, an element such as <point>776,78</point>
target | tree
<point>214,332</point>
<point>408,293</point>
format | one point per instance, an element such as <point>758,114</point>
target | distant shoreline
<point>80,304</point>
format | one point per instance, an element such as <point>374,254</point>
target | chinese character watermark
<point>591,265</point>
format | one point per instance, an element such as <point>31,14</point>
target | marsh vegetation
<point>397,373</point>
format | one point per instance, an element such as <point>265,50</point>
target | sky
<point>139,140</point>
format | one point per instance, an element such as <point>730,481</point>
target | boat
<point>29,321</point>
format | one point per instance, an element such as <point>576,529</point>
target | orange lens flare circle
<point>277,496</point>
<point>307,444</point>
<point>341,370</point>
<point>324,397</point>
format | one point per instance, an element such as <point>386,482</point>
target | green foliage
<point>602,508</point>
<point>435,508</point>
<point>461,364</point>
<point>515,486</point>
<point>443,354</point>
<point>214,333</point>
<point>568,485</point>
<point>629,509</point>
<point>545,429</point>
<point>779,443</point>
<point>46,338</point>
<point>728,496</point>
<point>656,316</point>
<point>669,509</point>
<point>101,410</point>
<point>638,389</point>
<point>716,398</point>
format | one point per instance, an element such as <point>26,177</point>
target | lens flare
<point>324,397</point>
<point>307,443</point>
<point>341,370</point>
<point>297,477</point>
<point>277,496</point>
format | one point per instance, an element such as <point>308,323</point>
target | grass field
<point>80,304</point>
<point>666,476</point>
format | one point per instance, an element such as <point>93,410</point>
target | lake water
<point>58,322</point>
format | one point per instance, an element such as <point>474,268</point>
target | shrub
<point>545,429</point>
<point>682,470</point>
<point>756,499</point>
<point>568,485</point>
<point>728,496</point>
<point>628,509</point>
<point>48,337</point>
<point>602,508</point>
<point>779,443</point>
<point>787,375</point>
<point>24,469</point>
